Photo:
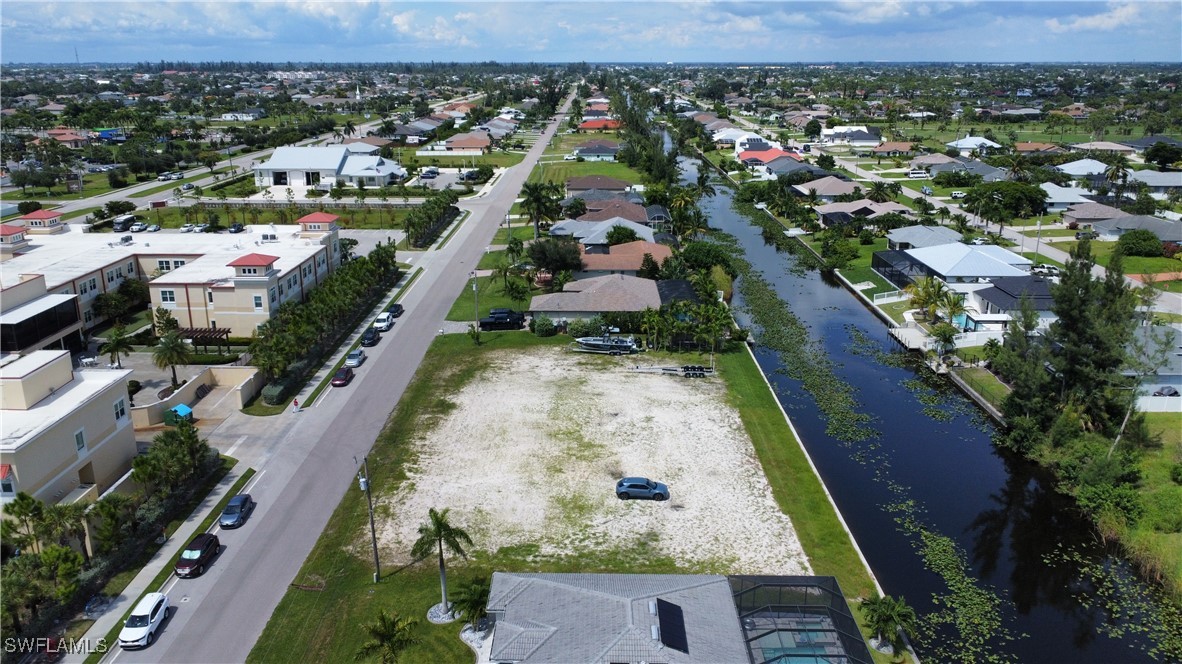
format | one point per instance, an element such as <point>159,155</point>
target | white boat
<point>608,344</point>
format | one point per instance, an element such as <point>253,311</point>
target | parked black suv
<point>200,552</point>
<point>1087,235</point>
<point>370,338</point>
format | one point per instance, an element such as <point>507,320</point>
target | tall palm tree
<point>437,533</point>
<point>540,201</point>
<point>926,294</point>
<point>170,351</point>
<point>951,305</point>
<point>879,191</point>
<point>63,522</point>
<point>118,344</point>
<point>703,187</point>
<point>1117,173</point>
<point>889,619</point>
<point>349,129</point>
<point>389,635</point>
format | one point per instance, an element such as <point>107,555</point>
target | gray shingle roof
<point>1166,231</point>
<point>923,236</point>
<point>605,618</point>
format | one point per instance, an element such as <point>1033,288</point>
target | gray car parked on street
<point>641,487</point>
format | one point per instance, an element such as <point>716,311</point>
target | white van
<point>918,174</point>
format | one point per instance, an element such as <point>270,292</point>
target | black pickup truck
<point>503,319</point>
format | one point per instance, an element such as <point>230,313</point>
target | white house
<point>1061,198</point>
<point>311,166</point>
<point>969,143</point>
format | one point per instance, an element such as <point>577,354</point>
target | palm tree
<point>63,522</point>
<point>926,295</point>
<point>349,129</point>
<point>951,305</point>
<point>882,191</point>
<point>118,344</point>
<point>389,635</point>
<point>1118,174</point>
<point>472,601</point>
<point>890,619</point>
<point>540,201</point>
<point>435,534</point>
<point>703,186</point>
<point>1019,169</point>
<point>170,351</point>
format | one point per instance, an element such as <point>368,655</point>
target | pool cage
<point>797,620</point>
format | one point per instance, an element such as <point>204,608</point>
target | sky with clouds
<point>591,30</point>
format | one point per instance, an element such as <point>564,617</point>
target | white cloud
<point>851,11</point>
<point>1118,15</point>
<point>403,23</point>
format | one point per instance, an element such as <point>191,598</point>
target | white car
<point>958,194</point>
<point>384,322</point>
<point>140,628</point>
<point>188,228</point>
<point>979,241</point>
<point>138,227</point>
<point>570,157</point>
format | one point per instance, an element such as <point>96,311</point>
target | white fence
<point>966,339</point>
<point>890,296</point>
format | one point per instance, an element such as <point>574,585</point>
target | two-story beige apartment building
<point>199,276</point>
<point>65,435</point>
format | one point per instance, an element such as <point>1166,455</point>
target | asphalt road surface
<point>306,462</point>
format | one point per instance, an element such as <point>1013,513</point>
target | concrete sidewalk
<point>163,558</point>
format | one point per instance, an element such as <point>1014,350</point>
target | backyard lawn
<point>1132,264</point>
<point>560,172</point>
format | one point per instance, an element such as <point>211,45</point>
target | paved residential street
<point>307,460</point>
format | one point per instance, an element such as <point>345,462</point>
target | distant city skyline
<point>602,31</point>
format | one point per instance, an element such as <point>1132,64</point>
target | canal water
<point>934,447</point>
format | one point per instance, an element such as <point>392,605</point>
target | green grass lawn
<point>560,172</point>
<point>374,218</point>
<point>522,230</point>
<point>1050,232</point>
<point>564,143</point>
<point>1132,264</point>
<point>93,184</point>
<point>333,596</point>
<point>857,275</point>
<point>496,159</point>
<point>489,260</point>
<point>895,309</point>
<point>985,384</point>
<point>489,296</point>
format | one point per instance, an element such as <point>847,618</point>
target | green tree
<point>881,191</point>
<point>826,162</point>
<point>28,512</point>
<point>471,602</point>
<point>115,513</point>
<point>889,619</point>
<point>63,523</point>
<point>1094,326</point>
<point>61,566</point>
<point>575,209</point>
<point>649,269</point>
<point>541,201</point>
<point>111,305</point>
<point>555,254</point>
<point>1163,155</point>
<point>620,234</point>
<point>170,351</point>
<point>164,321</point>
<point>1117,174</point>
<point>436,534</point>
<point>518,291</point>
<point>117,345</point>
<point>1140,242</point>
<point>389,636</point>
<point>812,129</point>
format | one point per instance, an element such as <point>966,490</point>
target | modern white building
<point>353,163</point>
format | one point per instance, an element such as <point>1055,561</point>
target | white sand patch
<point>533,448</point>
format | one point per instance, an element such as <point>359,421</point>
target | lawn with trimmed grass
<point>857,275</point>
<point>322,615</point>
<point>93,184</point>
<point>490,296</point>
<point>1050,232</point>
<point>176,184</point>
<point>1102,251</point>
<point>895,310</point>
<point>560,172</point>
<point>522,230</point>
<point>495,159</point>
<point>1040,258</point>
<point>984,383</point>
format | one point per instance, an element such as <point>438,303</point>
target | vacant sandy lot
<point>533,448</point>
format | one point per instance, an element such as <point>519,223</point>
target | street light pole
<point>363,481</point>
<point>475,299</point>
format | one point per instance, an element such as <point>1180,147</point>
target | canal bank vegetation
<point>1072,408</point>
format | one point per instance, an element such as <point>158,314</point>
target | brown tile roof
<point>622,209</point>
<point>626,256</point>
<point>613,292</point>
<point>894,146</point>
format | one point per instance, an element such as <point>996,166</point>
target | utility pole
<point>363,481</point>
<point>475,299</point>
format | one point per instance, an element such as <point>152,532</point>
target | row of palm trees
<point>932,296</point>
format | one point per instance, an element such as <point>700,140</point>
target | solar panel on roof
<point>672,623</point>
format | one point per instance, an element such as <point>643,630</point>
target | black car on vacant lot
<point>371,337</point>
<point>197,555</point>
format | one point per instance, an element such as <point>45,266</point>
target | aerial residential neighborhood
<point>786,346</point>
